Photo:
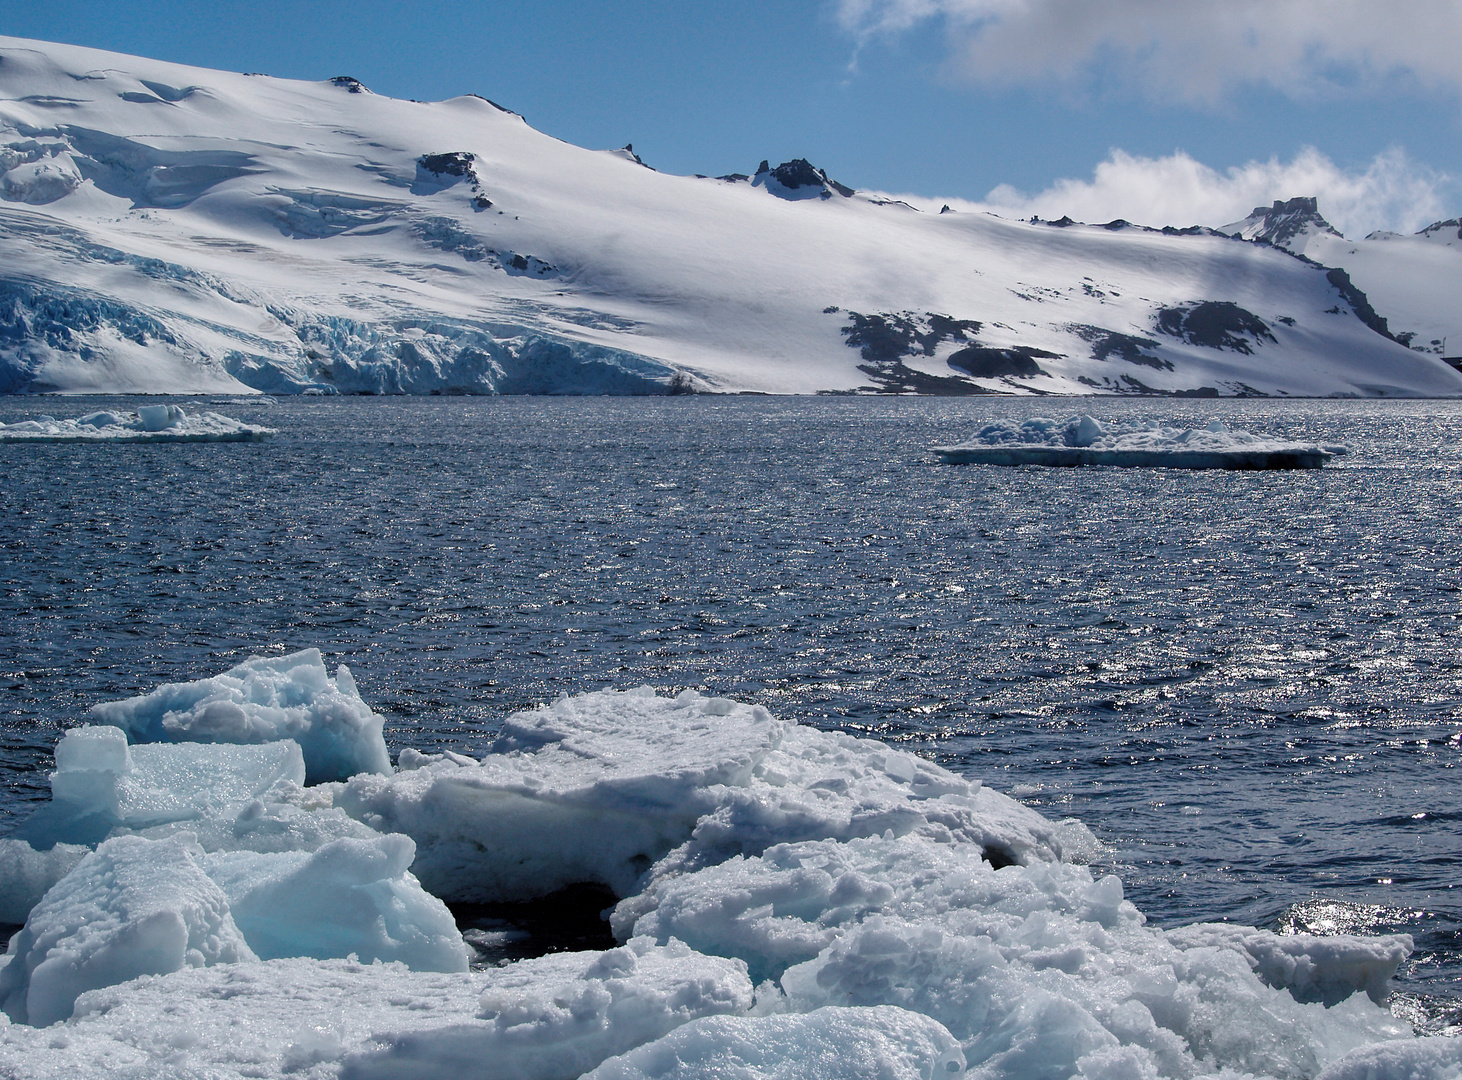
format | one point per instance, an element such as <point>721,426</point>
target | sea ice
<point>261,700</point>
<point>150,423</point>
<point>1086,441</point>
<point>895,919</point>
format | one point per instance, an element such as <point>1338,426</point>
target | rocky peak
<point>799,179</point>
<point>1286,224</point>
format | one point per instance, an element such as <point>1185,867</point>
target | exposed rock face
<point>886,340</point>
<point>986,363</point>
<point>436,172</point>
<point>1215,324</point>
<point>1358,302</point>
<point>1452,226</point>
<point>799,179</point>
<point>1133,349</point>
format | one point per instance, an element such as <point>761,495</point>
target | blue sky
<point>1161,111</point>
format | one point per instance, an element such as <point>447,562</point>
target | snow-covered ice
<point>150,423</point>
<point>1084,440</point>
<point>791,903</point>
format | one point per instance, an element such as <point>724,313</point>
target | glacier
<point>171,229</point>
<point>790,902</point>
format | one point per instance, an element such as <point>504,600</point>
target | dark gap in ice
<point>999,857</point>
<point>569,920</point>
<point>8,931</point>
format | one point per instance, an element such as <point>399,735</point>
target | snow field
<point>793,902</point>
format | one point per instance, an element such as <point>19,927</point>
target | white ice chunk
<point>878,1043</point>
<point>601,787</point>
<point>559,1016</point>
<point>1085,441</point>
<point>349,897</point>
<point>132,907</point>
<point>160,417</point>
<point>1309,966</point>
<point>1088,431</point>
<point>262,700</point>
<point>1438,1058</point>
<point>101,784</point>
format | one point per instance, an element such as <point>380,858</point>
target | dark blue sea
<point>1248,685</point>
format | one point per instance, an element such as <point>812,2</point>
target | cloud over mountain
<point>1392,192</point>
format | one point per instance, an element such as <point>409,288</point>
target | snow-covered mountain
<point>174,229</point>
<point>1414,282</point>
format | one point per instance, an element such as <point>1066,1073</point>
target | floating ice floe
<point>150,423</point>
<point>792,903</point>
<point>1086,441</point>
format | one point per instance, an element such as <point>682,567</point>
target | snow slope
<point>173,229</point>
<point>1412,281</point>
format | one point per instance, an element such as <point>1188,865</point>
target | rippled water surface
<point>1247,684</point>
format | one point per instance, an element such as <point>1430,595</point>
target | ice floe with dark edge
<point>1087,441</point>
<point>233,880</point>
<point>150,423</point>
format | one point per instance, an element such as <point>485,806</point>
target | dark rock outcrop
<point>1215,324</point>
<point>799,179</point>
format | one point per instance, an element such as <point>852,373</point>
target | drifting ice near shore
<point>793,903</point>
<point>1086,441</point>
<point>150,423</point>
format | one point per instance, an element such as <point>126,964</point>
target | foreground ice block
<point>602,787</point>
<point>133,907</point>
<point>350,897</point>
<point>1033,968</point>
<point>559,1016</point>
<point>1086,441</point>
<point>551,1018</point>
<point>261,700</point>
<point>878,1043</point>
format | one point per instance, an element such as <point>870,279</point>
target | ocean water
<point>1248,685</point>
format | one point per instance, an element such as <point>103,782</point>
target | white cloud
<point>1392,192</point>
<point>1192,50</point>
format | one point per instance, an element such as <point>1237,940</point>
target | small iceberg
<point>150,423</point>
<point>1086,441</point>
